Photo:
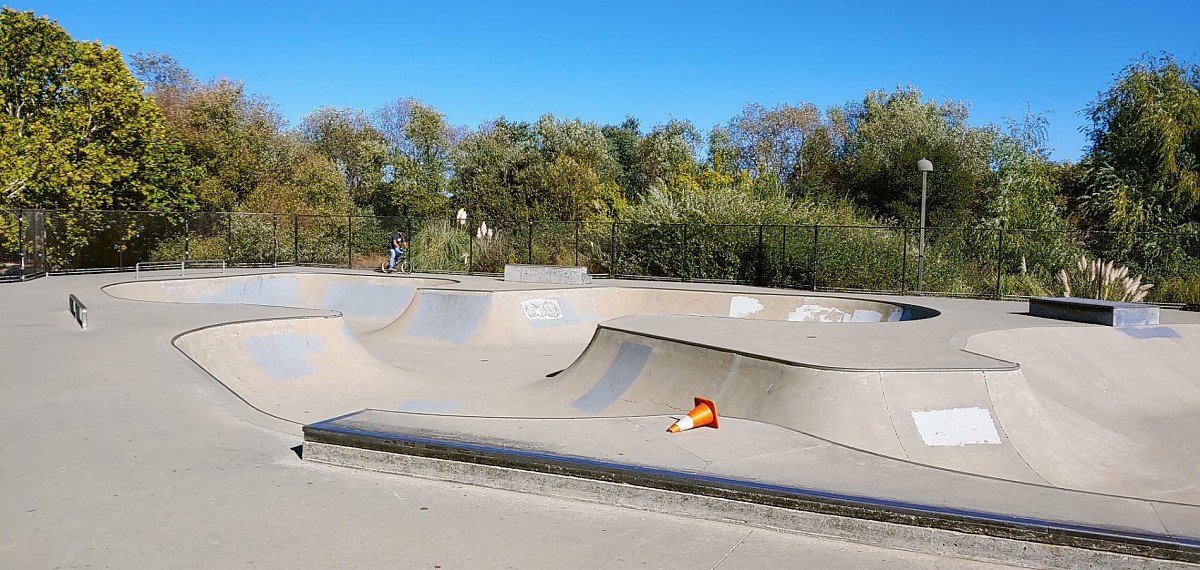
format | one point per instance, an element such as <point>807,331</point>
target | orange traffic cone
<point>704,414</point>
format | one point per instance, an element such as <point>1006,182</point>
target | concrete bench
<point>1111,313</point>
<point>550,274</point>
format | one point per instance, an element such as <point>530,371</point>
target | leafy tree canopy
<point>76,132</point>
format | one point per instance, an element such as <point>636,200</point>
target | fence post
<point>470,246</point>
<point>904,263</point>
<point>783,255</point>
<point>187,236</point>
<point>577,243</point>
<point>529,259</point>
<point>120,245</point>
<point>21,239</point>
<point>275,240</point>
<point>999,260</point>
<point>612,251</point>
<point>296,238</point>
<point>229,235</point>
<point>762,257</point>
<point>349,241</point>
<point>687,267</point>
<point>813,264</point>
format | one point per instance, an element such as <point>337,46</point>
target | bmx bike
<point>402,265</point>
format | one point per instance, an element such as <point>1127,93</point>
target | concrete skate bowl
<point>365,301</point>
<point>429,359</point>
<point>447,317</point>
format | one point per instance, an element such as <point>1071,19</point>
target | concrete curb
<point>909,535</point>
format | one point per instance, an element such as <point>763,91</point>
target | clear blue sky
<point>601,61</point>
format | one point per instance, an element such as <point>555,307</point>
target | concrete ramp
<point>447,317</point>
<point>362,299</point>
<point>299,369</point>
<point>1103,409</point>
<point>941,418</point>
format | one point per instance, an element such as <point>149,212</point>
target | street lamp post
<point>925,167</point>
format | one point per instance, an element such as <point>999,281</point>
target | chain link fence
<point>979,262</point>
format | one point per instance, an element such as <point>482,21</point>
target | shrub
<point>1098,279</point>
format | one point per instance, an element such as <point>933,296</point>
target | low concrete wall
<point>549,274</point>
<point>971,542</point>
<point>1110,313</point>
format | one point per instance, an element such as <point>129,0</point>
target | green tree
<point>1142,172</point>
<point>770,143</point>
<point>355,147</point>
<point>881,141</point>
<point>669,151</point>
<point>418,164</point>
<point>623,143</point>
<point>496,172</point>
<point>76,131</point>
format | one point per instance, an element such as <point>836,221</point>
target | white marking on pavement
<point>956,427</point>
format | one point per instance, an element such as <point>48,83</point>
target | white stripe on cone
<point>685,423</point>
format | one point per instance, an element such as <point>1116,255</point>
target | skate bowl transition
<point>903,408</point>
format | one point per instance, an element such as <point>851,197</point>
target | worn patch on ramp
<point>621,374</point>
<point>450,316</point>
<point>284,356</point>
<point>273,291</point>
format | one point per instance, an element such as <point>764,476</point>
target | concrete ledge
<point>1094,311</point>
<point>903,534</point>
<point>548,274</point>
<point>500,461</point>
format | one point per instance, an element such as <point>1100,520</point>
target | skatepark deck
<point>953,410</point>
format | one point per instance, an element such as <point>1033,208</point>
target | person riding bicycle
<point>397,247</point>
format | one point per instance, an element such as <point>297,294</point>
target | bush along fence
<point>971,262</point>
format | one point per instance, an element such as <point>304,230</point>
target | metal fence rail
<point>181,264</point>
<point>968,262</point>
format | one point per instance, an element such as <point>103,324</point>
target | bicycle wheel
<point>405,266</point>
<point>383,267</point>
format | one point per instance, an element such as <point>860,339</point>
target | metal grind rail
<point>78,310</point>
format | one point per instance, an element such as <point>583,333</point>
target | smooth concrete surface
<point>501,357</point>
<point>744,459</point>
<point>118,452</point>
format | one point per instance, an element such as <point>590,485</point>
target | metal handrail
<point>78,310</point>
<point>182,265</point>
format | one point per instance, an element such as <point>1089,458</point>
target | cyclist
<point>397,247</point>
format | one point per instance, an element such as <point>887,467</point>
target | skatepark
<point>966,429</point>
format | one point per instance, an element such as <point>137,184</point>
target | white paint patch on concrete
<point>866,316</point>
<point>542,309</point>
<point>740,307</point>
<point>897,315</point>
<point>817,313</point>
<point>956,427</point>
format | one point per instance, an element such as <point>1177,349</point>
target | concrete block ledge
<point>1094,311</point>
<point>505,464</point>
<point>547,274</point>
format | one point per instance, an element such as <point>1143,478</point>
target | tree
<point>418,162</point>
<point>668,151</point>
<point>76,131</point>
<point>881,141</point>
<point>623,143</point>
<point>1143,169</point>
<point>770,143</point>
<point>553,170</point>
<point>355,147</point>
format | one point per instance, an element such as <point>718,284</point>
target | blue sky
<point>601,61</point>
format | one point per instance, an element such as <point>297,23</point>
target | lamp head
<point>924,166</point>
